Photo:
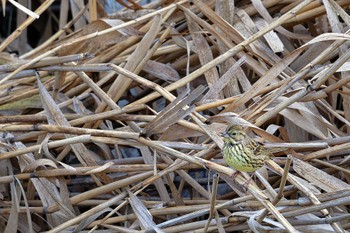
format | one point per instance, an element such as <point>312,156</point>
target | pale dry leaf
<point>319,178</point>
<point>204,52</point>
<point>224,9</point>
<point>64,10</point>
<point>99,169</point>
<point>311,217</point>
<point>150,159</point>
<point>79,107</point>
<point>255,226</point>
<point>302,122</point>
<point>219,22</point>
<point>66,166</point>
<point>343,68</point>
<point>259,6</point>
<point>299,113</point>
<point>75,7</point>
<point>125,31</point>
<point>53,112</point>
<point>161,71</point>
<point>176,132</point>
<point>309,186</point>
<point>24,9</point>
<point>223,80</point>
<point>327,228</point>
<point>88,220</point>
<point>333,17</point>
<point>44,146</point>
<point>271,37</point>
<point>105,150</point>
<point>6,59</point>
<point>56,117</point>
<point>181,41</point>
<point>47,191</point>
<point>326,37</point>
<point>176,110</point>
<point>341,12</point>
<point>164,114</point>
<point>12,223</point>
<point>143,215</point>
<point>37,163</point>
<point>28,222</point>
<point>246,26</point>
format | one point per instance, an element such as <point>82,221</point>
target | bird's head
<point>234,134</point>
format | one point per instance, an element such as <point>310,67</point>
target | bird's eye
<point>234,133</point>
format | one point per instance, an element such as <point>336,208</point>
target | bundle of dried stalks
<point>113,123</point>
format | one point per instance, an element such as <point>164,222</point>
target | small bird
<point>241,152</point>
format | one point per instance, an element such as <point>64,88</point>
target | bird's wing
<point>256,147</point>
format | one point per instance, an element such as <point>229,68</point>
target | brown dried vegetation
<point>113,123</point>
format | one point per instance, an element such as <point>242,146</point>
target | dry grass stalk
<point>118,123</point>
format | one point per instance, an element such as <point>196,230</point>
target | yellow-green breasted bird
<point>241,152</point>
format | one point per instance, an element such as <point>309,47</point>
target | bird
<point>242,152</point>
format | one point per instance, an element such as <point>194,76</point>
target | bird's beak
<point>224,134</point>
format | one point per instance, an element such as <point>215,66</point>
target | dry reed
<point>113,123</point>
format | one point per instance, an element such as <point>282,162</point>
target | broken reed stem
<point>212,210</point>
<point>326,152</point>
<point>69,130</point>
<point>33,118</point>
<point>89,118</point>
<point>345,170</point>
<point>55,144</point>
<point>319,207</point>
<point>80,171</point>
<point>48,61</point>
<point>280,190</point>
